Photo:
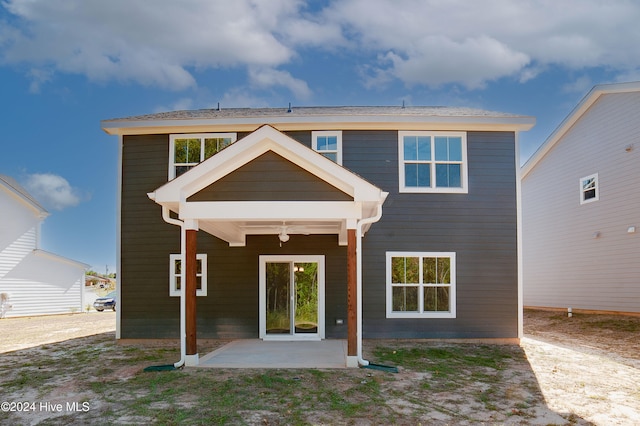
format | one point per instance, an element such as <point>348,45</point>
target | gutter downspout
<point>368,220</point>
<point>166,216</point>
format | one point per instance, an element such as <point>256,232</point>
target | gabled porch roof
<point>232,219</point>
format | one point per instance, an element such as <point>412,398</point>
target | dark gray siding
<point>147,311</point>
<point>270,178</point>
<point>230,309</point>
<point>479,226</point>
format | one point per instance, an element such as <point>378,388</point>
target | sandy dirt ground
<point>587,367</point>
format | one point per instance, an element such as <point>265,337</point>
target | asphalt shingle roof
<point>397,111</point>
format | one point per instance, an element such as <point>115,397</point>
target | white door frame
<point>264,259</point>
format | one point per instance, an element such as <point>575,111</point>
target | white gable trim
<point>232,221</point>
<point>252,146</point>
<point>575,115</point>
<point>20,194</point>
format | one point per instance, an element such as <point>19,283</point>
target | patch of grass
<point>446,360</point>
<point>630,325</point>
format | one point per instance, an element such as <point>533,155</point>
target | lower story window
<point>421,285</point>
<point>177,278</point>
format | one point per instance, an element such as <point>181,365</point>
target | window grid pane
<point>434,286</point>
<point>405,298</point>
<point>432,162</point>
<point>333,156</point>
<point>448,176</point>
<point>177,275</point>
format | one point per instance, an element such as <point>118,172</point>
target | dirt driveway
<point>581,370</point>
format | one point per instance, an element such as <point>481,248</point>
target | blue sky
<point>67,64</point>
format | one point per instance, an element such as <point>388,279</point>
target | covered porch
<point>271,185</point>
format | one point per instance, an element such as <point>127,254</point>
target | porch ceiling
<point>235,232</point>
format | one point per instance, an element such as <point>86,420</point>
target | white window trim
<point>394,314</point>
<point>202,137</point>
<point>464,189</point>
<point>597,188</point>
<point>172,274</point>
<point>336,133</point>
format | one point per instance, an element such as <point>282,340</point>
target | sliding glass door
<point>291,297</point>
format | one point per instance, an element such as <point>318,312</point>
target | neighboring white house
<point>581,207</point>
<point>32,281</point>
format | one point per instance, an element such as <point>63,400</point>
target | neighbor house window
<point>433,161</point>
<point>177,278</point>
<point>329,144</point>
<point>421,285</point>
<point>187,151</point>
<point>589,190</point>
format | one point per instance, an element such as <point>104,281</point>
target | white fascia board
<point>270,210</point>
<point>587,101</point>
<point>320,122</point>
<point>38,210</point>
<point>61,259</point>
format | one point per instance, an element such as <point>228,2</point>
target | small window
<point>421,285</point>
<point>589,190</point>
<point>432,162</point>
<point>329,144</point>
<point>176,275</point>
<point>187,151</point>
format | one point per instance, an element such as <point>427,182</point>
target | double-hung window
<point>421,285</point>
<point>329,144</point>
<point>432,161</point>
<point>189,150</point>
<point>177,278</point>
<point>589,190</point>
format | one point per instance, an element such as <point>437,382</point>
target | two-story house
<point>581,207</point>
<point>319,222</point>
<point>33,281</point>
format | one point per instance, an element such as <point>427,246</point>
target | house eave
<point>587,101</point>
<point>371,122</point>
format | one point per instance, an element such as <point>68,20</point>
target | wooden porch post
<point>190,270</point>
<point>352,295</point>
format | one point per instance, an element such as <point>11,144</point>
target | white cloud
<point>166,43</point>
<point>265,77</point>
<point>438,60</point>
<point>240,97</point>
<point>580,85</point>
<point>179,105</point>
<point>38,76</point>
<point>470,43</point>
<point>155,43</point>
<point>52,191</point>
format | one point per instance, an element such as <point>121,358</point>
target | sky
<point>65,65</point>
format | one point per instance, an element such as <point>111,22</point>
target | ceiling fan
<point>283,236</point>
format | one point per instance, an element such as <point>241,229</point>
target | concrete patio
<point>255,353</point>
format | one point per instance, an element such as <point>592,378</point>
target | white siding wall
<point>564,265</point>
<point>37,283</point>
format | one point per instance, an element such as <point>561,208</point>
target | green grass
<point>210,396</point>
<point>631,325</point>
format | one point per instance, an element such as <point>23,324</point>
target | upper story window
<point>432,161</point>
<point>329,144</point>
<point>589,190</point>
<point>187,151</point>
<point>176,275</point>
<point>421,285</point>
